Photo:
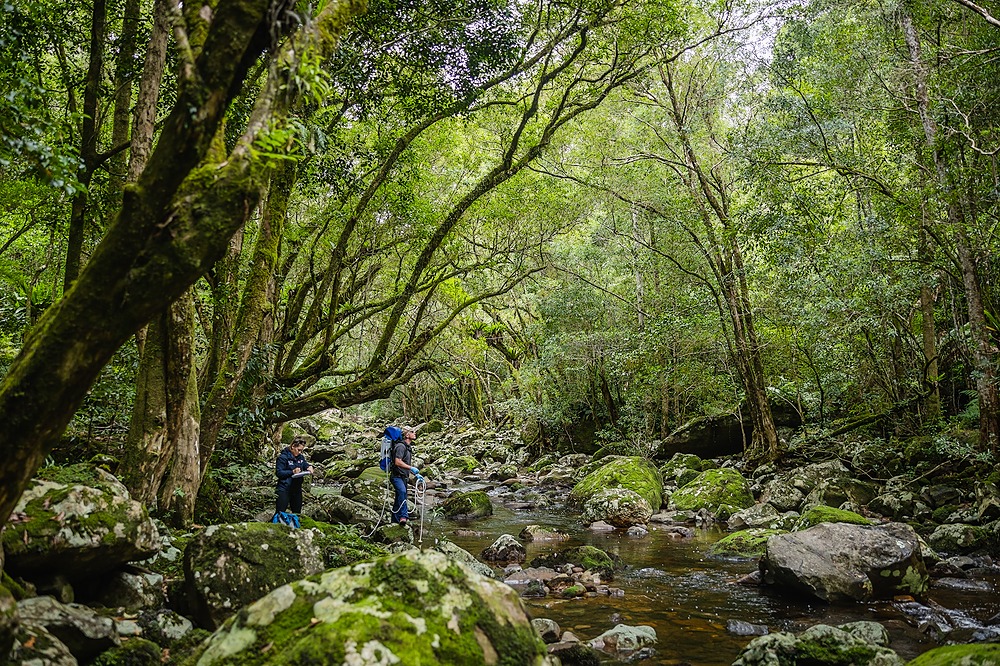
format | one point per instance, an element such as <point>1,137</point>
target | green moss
<point>588,557</point>
<point>712,490</point>
<point>828,514</point>
<point>134,652</point>
<point>748,543</point>
<point>474,504</point>
<point>417,606</point>
<point>16,588</point>
<point>465,464</point>
<point>342,544</point>
<point>941,513</point>
<point>987,654</point>
<point>633,473</point>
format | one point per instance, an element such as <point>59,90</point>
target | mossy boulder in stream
<point>410,608</point>
<point>960,655</point>
<point>620,507</point>
<point>228,566</point>
<point>465,505</point>
<point>722,491</point>
<point>588,557</point>
<point>748,544</point>
<point>847,645</point>
<point>633,473</point>
<point>827,514</point>
<point>77,521</point>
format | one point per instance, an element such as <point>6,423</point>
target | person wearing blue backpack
<point>402,455</point>
<point>290,468</point>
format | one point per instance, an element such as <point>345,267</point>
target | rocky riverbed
<point>570,559</point>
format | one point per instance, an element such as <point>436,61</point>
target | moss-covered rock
<point>821,645</point>
<point>620,507</point>
<point>681,469</point>
<point>632,473</point>
<point>466,464</point>
<point>959,538</point>
<point>960,655</point>
<point>465,505</point>
<point>342,545</point>
<point>827,514</point>
<point>416,606</point>
<point>62,526</point>
<point>135,652</point>
<point>721,491</point>
<point>338,510</point>
<point>588,557</point>
<point>228,566</point>
<point>749,544</point>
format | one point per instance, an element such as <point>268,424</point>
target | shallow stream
<point>688,598</point>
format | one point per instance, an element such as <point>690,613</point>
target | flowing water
<point>687,597</point>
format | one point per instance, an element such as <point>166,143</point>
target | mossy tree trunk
<point>175,222</point>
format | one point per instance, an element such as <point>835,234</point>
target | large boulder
<point>228,566</point>
<point>721,491</point>
<point>78,521</point>
<point>843,562</point>
<point>620,507</point>
<point>338,510</point>
<point>632,473</point>
<point>708,437</point>
<point>467,505</point>
<point>854,644</point>
<point>414,607</point>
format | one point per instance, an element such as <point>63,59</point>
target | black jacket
<point>404,452</point>
<point>284,465</point>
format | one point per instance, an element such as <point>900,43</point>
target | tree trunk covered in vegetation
<point>118,164</point>
<point>256,302</point>
<point>174,224</point>
<point>983,353</point>
<point>724,254</point>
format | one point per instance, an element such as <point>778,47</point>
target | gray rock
<point>539,533</point>
<point>77,530</point>
<point>34,646</point>
<point>228,566</point>
<point>940,495</point>
<point>505,549</point>
<point>548,629</point>
<point>132,590</point>
<point>381,612</point>
<point>9,619</point>
<point>987,502</point>
<point>85,633</point>
<point>845,562</point>
<point>338,510</point>
<point>957,538</point>
<point>164,627</point>
<point>459,554</point>
<point>624,639</point>
<point>620,507</point>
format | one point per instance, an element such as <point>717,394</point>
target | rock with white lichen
<point>228,566</point>
<point>78,521</point>
<point>412,607</point>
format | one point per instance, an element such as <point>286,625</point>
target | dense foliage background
<point>595,221</point>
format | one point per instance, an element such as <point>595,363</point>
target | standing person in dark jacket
<point>291,462</point>
<point>402,454</point>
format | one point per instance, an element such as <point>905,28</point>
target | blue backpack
<point>284,518</point>
<point>390,436</point>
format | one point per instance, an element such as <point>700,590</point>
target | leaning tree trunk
<point>162,241</point>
